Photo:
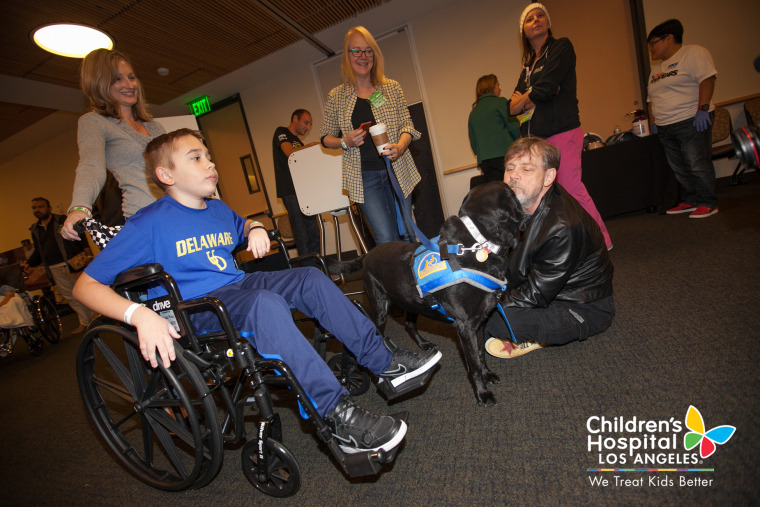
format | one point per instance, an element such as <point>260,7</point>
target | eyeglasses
<point>652,43</point>
<point>356,53</point>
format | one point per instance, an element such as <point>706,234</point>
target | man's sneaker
<point>703,212</point>
<point>507,349</point>
<point>681,208</point>
<point>406,365</point>
<point>358,430</point>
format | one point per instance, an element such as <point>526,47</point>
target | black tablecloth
<point>629,176</point>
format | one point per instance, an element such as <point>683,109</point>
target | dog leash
<point>400,196</point>
<point>458,249</point>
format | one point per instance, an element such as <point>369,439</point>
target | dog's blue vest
<point>433,274</point>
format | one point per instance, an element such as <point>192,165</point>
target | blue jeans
<point>260,305</point>
<point>689,154</point>
<point>305,228</point>
<point>379,207</point>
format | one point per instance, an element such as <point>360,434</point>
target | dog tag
<point>482,255</point>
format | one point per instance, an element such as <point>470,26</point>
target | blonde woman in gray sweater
<point>111,137</point>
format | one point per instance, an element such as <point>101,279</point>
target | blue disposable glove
<point>702,120</point>
<point>653,129</point>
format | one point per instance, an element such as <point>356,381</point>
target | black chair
<point>478,180</point>
<point>752,111</point>
<point>721,131</point>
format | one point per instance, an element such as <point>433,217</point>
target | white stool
<point>317,178</point>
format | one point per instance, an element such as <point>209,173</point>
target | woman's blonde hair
<point>377,74</point>
<point>486,84</point>
<point>99,70</point>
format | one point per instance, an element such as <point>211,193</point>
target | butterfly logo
<point>698,435</point>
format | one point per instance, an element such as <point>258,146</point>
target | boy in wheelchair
<point>193,238</point>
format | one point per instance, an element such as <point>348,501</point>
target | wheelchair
<point>168,426</point>
<point>46,322</point>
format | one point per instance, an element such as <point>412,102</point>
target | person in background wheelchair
<point>193,238</point>
<point>13,309</point>
<point>14,314</point>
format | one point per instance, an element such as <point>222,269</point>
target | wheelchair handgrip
<point>79,227</point>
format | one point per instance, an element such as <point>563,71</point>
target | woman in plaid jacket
<point>366,95</point>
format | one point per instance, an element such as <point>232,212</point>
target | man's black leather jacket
<point>561,255</point>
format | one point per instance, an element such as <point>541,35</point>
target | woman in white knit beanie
<point>545,100</point>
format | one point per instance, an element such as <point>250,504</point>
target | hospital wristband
<point>80,208</point>
<point>129,312</point>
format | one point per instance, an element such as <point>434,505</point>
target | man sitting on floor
<point>559,276</point>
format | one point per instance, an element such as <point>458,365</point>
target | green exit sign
<point>200,106</point>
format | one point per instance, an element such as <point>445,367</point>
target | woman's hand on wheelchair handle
<point>155,332</point>
<point>67,231</point>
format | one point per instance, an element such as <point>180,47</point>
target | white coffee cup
<point>379,136</point>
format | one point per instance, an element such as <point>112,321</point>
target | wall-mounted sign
<point>200,106</point>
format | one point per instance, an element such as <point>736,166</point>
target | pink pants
<point>570,145</point>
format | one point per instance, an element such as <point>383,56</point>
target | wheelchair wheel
<point>280,477</point>
<point>47,320</point>
<point>160,423</point>
<point>5,342</point>
<point>34,345</point>
<point>348,372</point>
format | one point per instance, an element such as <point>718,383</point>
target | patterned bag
<point>79,261</point>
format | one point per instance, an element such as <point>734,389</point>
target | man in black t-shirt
<point>285,141</point>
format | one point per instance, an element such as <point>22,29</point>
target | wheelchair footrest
<point>391,392</point>
<point>361,464</point>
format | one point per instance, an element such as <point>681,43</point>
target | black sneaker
<point>406,364</point>
<point>358,430</point>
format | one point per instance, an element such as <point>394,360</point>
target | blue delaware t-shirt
<point>193,245</point>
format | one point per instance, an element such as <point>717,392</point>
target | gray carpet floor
<point>685,334</point>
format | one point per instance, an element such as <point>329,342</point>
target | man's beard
<point>527,201</point>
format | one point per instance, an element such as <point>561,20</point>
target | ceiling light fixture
<point>73,41</point>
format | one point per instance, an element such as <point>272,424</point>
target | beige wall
<point>456,41</point>
<point>46,171</point>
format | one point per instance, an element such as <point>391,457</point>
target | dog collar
<point>491,247</point>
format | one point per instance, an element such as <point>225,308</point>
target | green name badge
<point>377,99</point>
<point>526,116</point>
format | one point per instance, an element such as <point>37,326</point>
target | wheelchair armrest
<point>137,273</point>
<point>274,235</point>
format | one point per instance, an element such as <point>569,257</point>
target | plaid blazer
<point>394,113</point>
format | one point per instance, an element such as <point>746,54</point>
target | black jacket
<point>554,87</point>
<point>561,256</point>
<point>67,248</point>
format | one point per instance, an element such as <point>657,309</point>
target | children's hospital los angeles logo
<point>667,446</point>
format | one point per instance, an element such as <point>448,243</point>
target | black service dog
<point>388,276</point>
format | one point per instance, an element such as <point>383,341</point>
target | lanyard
<point>529,71</point>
